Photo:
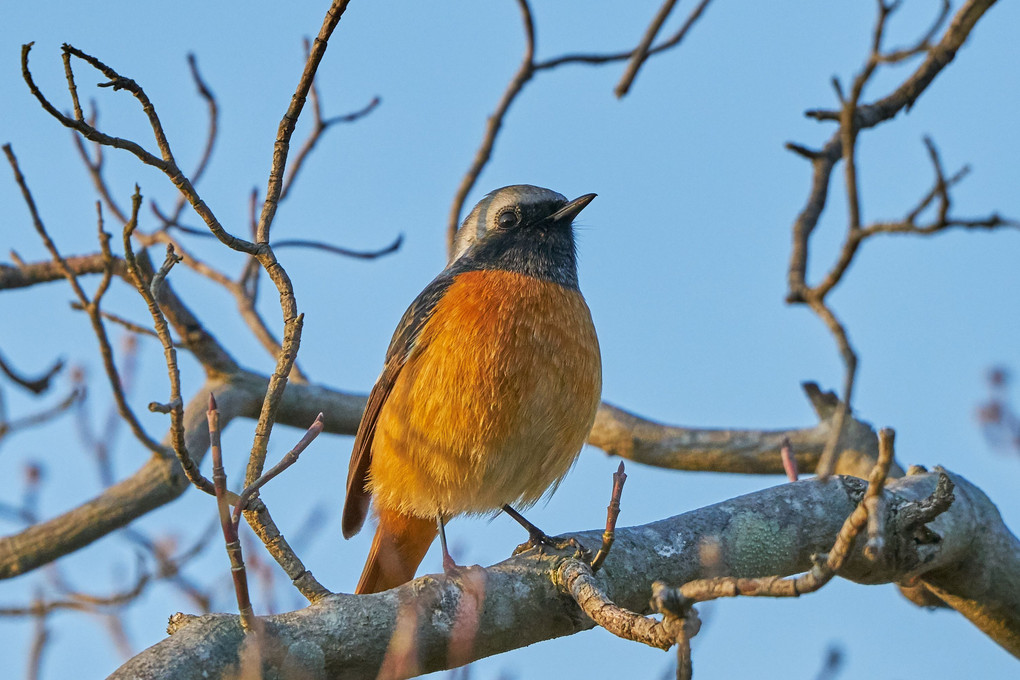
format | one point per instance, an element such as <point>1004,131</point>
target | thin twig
<point>78,601</point>
<point>229,527</point>
<point>210,139</point>
<point>612,515</point>
<point>92,309</point>
<point>76,394</point>
<point>337,250</point>
<point>165,162</point>
<point>528,68</point>
<point>149,291</point>
<point>289,121</point>
<point>600,59</point>
<point>319,127</point>
<point>40,636</point>
<point>854,117</point>
<point>640,53</point>
<point>291,457</point>
<point>520,78</point>
<point>136,328</point>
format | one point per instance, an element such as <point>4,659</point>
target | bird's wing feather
<point>404,341</point>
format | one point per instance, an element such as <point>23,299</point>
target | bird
<point>489,387</point>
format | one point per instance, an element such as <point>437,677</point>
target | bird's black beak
<point>568,212</point>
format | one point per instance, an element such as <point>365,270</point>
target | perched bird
<point>489,389</point>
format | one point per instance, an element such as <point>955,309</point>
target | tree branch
<point>523,605</point>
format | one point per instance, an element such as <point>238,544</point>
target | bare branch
<point>228,526</point>
<point>337,250</point>
<point>210,141</point>
<point>166,163</point>
<point>805,518</point>
<point>612,515</point>
<point>600,59</point>
<point>149,291</point>
<point>641,51</point>
<point>629,436</point>
<point>854,117</point>
<point>91,307</point>
<point>282,146</point>
<point>7,427</point>
<point>33,385</point>
<point>524,73</point>
<point>80,601</point>
<point>288,459</point>
<point>520,78</point>
<point>319,127</point>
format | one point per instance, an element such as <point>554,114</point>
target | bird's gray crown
<point>483,216</point>
<point>523,229</point>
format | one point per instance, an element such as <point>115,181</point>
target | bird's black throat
<point>545,251</point>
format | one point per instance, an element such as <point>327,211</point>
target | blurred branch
<point>95,167</point>
<point>997,416</point>
<point>33,385</point>
<point>42,417</point>
<point>833,663</point>
<point>40,636</point>
<point>210,141</point>
<point>80,601</point>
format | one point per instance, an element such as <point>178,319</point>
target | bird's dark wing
<point>404,341</point>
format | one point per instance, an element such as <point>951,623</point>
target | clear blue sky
<point>683,262</point>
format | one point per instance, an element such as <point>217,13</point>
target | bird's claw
<point>541,541</point>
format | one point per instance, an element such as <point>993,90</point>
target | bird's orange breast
<point>494,401</point>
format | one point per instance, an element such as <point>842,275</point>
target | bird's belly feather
<point>494,401</point>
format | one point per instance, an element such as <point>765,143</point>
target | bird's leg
<point>536,535</point>
<point>538,538</point>
<point>449,566</point>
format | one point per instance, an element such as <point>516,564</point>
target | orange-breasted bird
<point>489,388</point>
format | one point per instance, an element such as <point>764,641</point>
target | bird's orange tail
<point>399,546</point>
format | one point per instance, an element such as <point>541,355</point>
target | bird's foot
<point>471,577</point>
<point>541,541</point>
<point>449,566</point>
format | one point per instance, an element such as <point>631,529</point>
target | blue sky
<point>683,262</point>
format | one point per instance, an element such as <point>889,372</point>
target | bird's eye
<point>507,219</point>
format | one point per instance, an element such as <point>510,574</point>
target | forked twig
<point>230,522</point>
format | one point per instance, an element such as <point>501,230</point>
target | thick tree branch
<point>976,563</point>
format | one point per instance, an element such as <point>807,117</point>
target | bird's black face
<point>533,237</point>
